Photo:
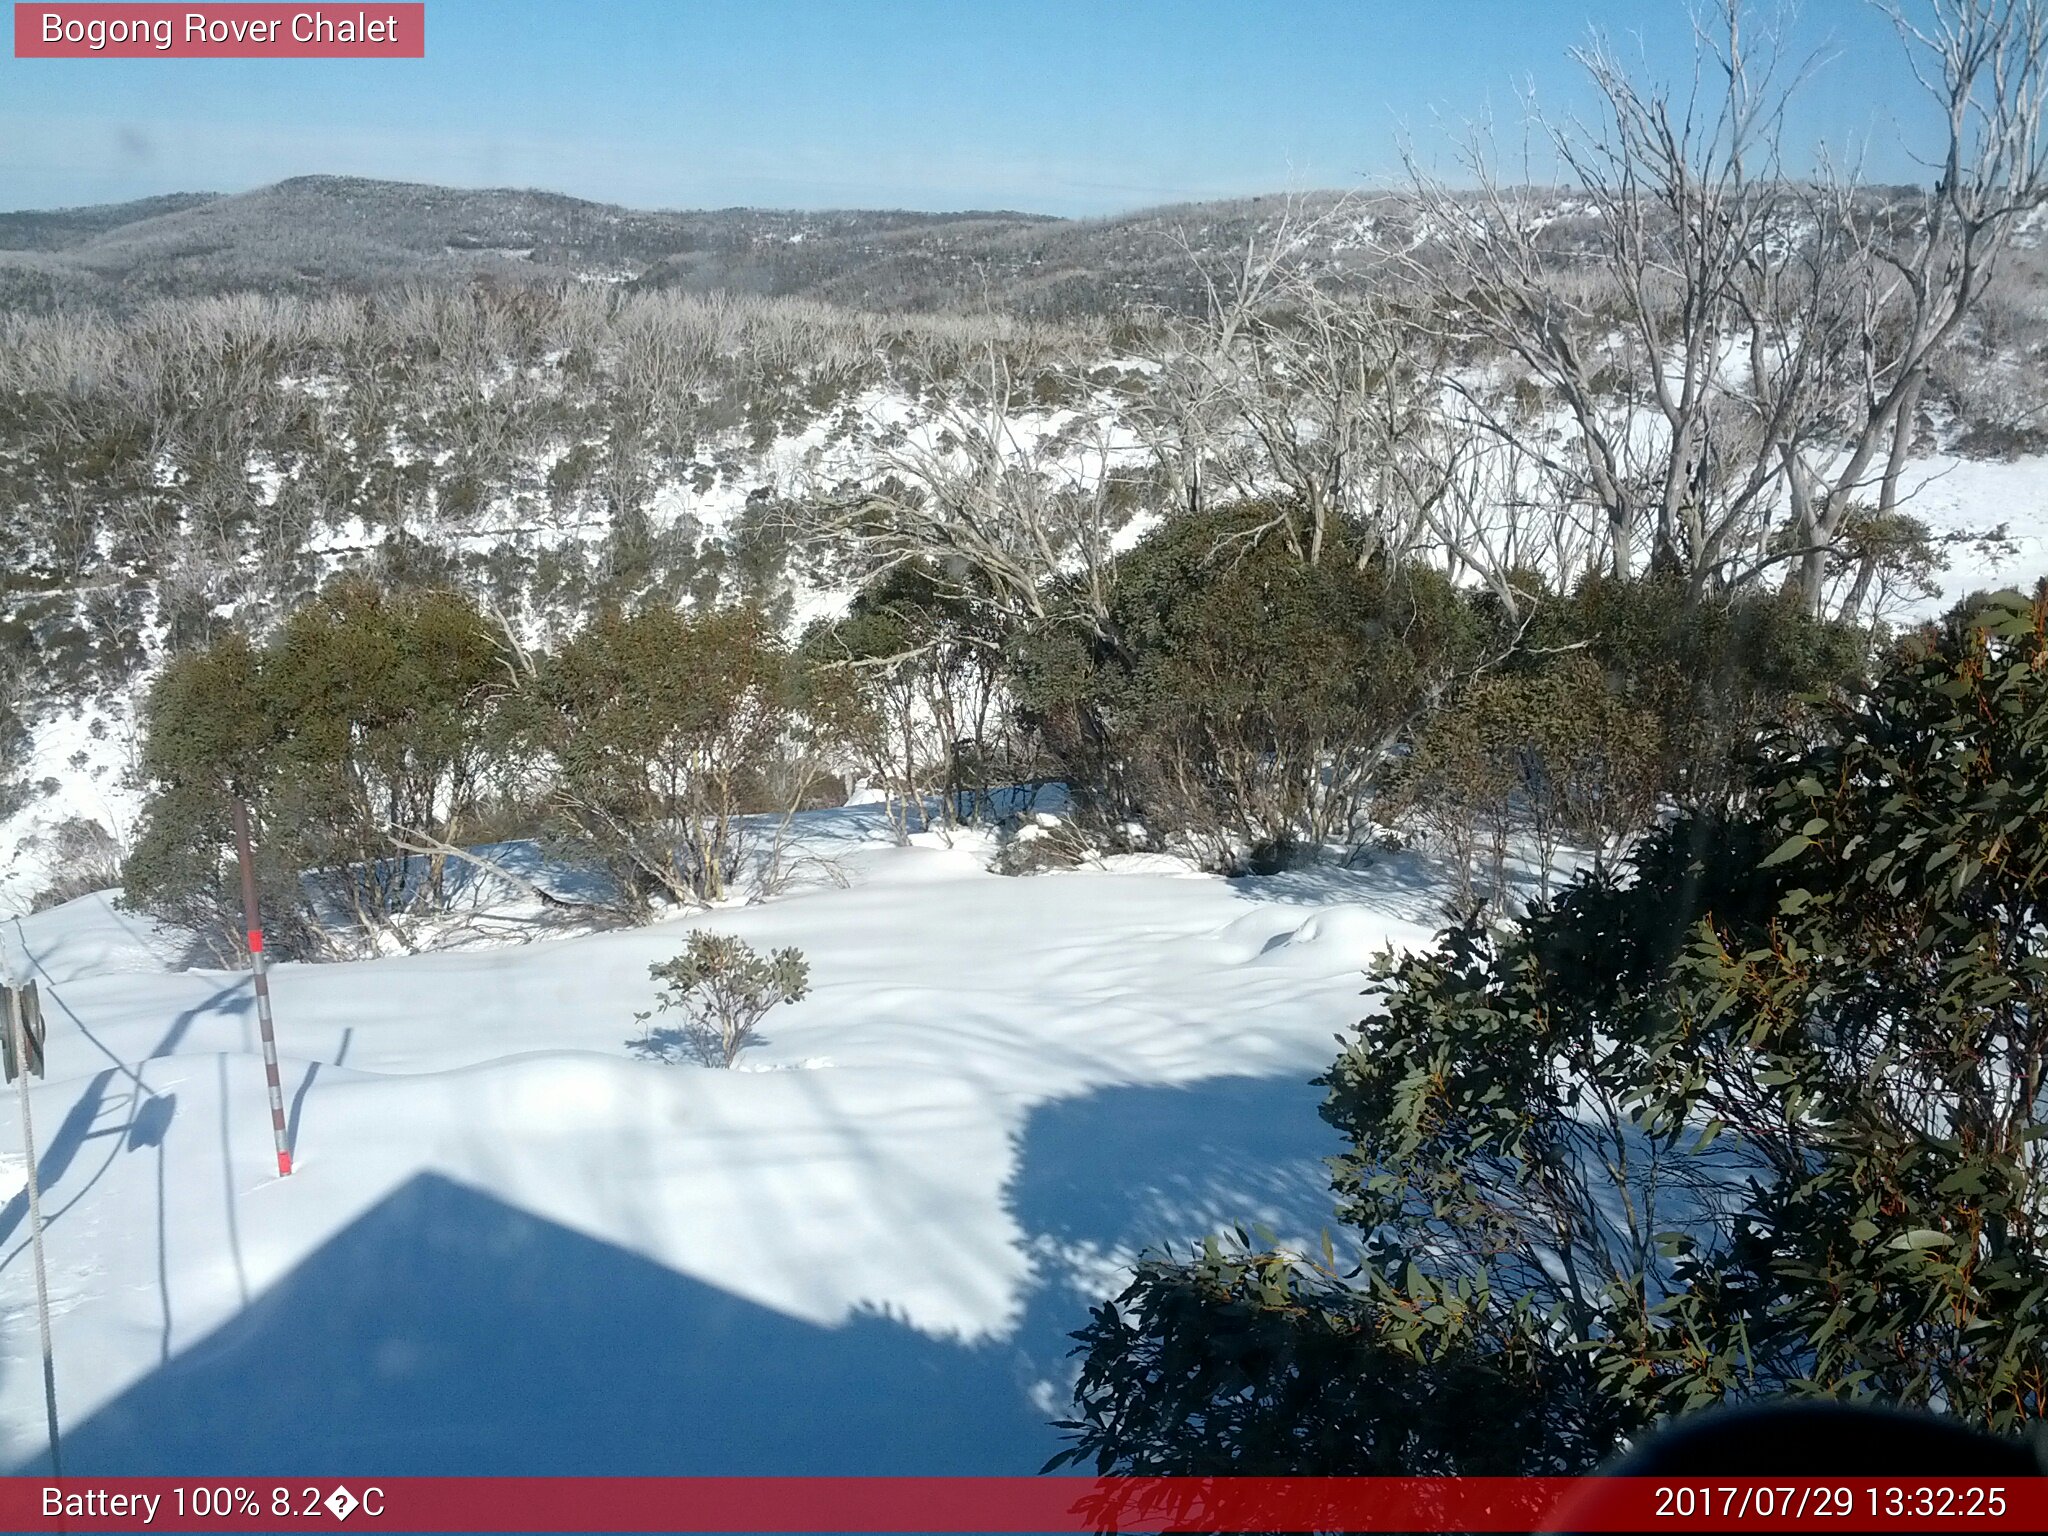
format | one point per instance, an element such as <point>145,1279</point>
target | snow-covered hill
<point>513,1244</point>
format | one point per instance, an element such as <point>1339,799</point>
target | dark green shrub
<point>646,731</point>
<point>1764,1117</point>
<point>356,734</point>
<point>1251,698</point>
<point>1543,749</point>
<point>1713,671</point>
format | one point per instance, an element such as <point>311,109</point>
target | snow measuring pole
<point>253,921</point>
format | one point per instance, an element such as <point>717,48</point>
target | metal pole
<point>19,1036</point>
<point>254,923</point>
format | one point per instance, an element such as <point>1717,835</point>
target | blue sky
<point>1056,106</point>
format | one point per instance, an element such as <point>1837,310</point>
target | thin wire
<point>18,1037</point>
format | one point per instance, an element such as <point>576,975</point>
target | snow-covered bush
<point>86,858</point>
<point>1031,843</point>
<point>723,988</point>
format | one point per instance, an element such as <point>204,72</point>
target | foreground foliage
<point>1766,1116</point>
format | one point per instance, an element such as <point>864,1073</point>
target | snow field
<point>511,1244</point>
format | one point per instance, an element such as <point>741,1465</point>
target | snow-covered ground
<point>1974,495</point>
<point>511,1244</point>
<point>80,768</point>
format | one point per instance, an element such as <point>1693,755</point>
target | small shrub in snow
<point>723,988</point>
<point>84,858</point>
<point>1033,844</point>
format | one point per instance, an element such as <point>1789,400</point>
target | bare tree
<point>997,504</point>
<point>1726,345</point>
<point>1921,272</point>
<point>1292,391</point>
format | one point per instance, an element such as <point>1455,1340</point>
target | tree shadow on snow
<point>686,1044</point>
<point>447,1332</point>
<point>82,1122</point>
<point>1412,884</point>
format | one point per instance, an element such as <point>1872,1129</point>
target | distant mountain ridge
<point>325,234</point>
<point>314,233</point>
<point>56,229</point>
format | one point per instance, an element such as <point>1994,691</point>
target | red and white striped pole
<point>254,923</point>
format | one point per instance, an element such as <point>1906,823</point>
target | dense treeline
<point>387,737</point>
<point>352,234</point>
<point>1676,360</point>
<point>1240,705</point>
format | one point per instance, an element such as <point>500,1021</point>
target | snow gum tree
<point>1734,377</point>
<point>1253,696</point>
<point>1765,1113</point>
<point>915,675</point>
<point>648,733</point>
<point>356,733</point>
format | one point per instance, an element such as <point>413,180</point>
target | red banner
<point>115,31</point>
<point>1005,1504</point>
